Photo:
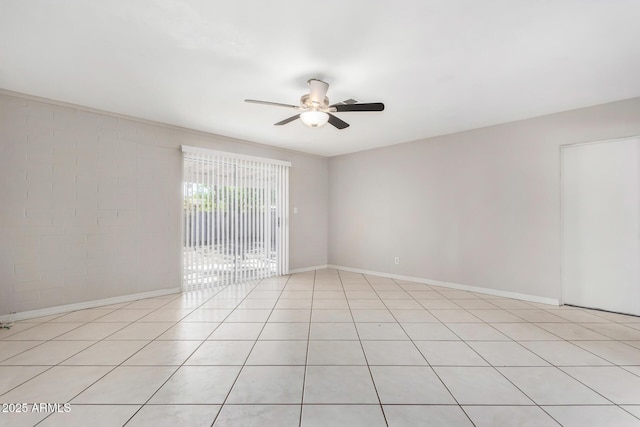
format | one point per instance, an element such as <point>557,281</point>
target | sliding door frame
<point>248,172</point>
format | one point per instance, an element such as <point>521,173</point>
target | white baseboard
<point>88,304</point>
<point>150,294</point>
<point>470,288</point>
<point>304,270</point>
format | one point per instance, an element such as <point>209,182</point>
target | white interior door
<point>601,225</point>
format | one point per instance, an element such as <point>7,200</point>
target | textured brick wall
<point>89,206</point>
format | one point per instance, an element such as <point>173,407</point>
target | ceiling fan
<point>315,111</point>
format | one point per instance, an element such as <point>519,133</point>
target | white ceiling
<point>439,66</point>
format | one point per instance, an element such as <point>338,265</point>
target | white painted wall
<point>83,195</point>
<point>478,208</point>
<point>90,204</point>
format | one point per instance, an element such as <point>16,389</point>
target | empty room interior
<point>366,213</point>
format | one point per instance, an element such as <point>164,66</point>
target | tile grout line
<point>511,382</point>
<point>187,358</point>
<point>427,360</point>
<point>538,324</point>
<point>252,347</point>
<point>114,367</point>
<point>103,339</point>
<point>495,368</point>
<point>561,339</point>
<point>64,333</point>
<point>306,359</point>
<point>420,352</point>
<point>366,359</point>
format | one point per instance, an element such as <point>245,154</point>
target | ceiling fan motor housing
<point>308,104</point>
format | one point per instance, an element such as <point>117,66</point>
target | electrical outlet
<point>295,210</point>
<point>396,260</point>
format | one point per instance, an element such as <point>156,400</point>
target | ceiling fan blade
<point>275,104</point>
<point>374,106</point>
<point>285,121</point>
<point>317,90</point>
<point>340,124</point>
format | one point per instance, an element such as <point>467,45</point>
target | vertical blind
<point>235,218</point>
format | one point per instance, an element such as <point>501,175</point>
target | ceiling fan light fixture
<point>314,119</point>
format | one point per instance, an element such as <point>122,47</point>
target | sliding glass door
<point>235,218</point>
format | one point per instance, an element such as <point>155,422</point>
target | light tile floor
<point>324,348</point>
